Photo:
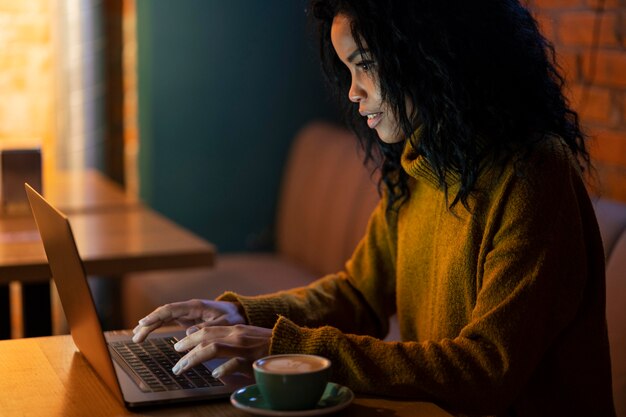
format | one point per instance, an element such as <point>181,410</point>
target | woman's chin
<point>389,139</point>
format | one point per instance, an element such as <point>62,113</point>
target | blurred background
<point>192,104</point>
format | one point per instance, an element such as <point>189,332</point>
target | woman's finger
<point>203,334</point>
<point>233,365</point>
<point>141,332</point>
<point>190,359</point>
<point>191,330</point>
<point>207,351</point>
<point>169,312</point>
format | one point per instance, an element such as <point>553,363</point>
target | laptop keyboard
<point>151,362</point>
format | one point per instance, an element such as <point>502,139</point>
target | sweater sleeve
<point>533,282</point>
<point>357,300</point>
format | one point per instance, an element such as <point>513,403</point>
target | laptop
<point>138,374</point>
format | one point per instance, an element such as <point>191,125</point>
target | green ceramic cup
<point>292,381</point>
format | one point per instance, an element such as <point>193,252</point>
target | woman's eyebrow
<point>358,52</point>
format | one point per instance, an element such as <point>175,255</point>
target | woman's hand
<point>243,343</point>
<point>193,314</point>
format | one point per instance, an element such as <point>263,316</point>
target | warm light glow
<point>79,84</point>
<point>27,75</point>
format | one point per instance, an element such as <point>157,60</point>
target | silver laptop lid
<point>69,275</point>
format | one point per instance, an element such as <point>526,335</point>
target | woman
<point>484,242</point>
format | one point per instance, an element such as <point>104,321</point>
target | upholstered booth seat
<point>325,201</point>
<point>243,273</point>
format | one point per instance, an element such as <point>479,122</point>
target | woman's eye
<point>365,65</point>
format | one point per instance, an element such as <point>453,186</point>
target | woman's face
<point>364,87</point>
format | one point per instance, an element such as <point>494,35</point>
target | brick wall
<point>590,40</point>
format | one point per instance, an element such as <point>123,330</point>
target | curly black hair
<point>476,72</point>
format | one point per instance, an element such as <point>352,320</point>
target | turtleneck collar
<point>418,167</point>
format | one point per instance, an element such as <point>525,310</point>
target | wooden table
<point>85,191</point>
<point>47,376</point>
<point>111,242</point>
<point>115,234</point>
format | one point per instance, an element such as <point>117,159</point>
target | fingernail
<point>135,338</point>
<point>177,345</point>
<point>192,330</point>
<point>142,321</point>
<point>180,367</point>
<point>217,372</point>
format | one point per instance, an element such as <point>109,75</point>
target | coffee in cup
<point>292,381</point>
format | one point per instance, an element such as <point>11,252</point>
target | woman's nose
<point>356,94</point>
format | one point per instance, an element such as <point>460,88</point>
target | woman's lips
<point>374,119</point>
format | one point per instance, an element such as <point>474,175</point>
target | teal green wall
<point>223,87</point>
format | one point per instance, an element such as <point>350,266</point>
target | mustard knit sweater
<point>501,310</point>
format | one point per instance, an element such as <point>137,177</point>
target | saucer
<point>335,398</point>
